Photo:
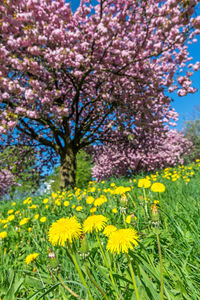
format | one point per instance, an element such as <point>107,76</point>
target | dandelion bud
<point>84,250</point>
<point>123,204</point>
<point>155,218</point>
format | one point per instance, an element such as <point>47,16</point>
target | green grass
<point>173,224</point>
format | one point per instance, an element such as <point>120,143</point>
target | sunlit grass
<point>156,258</point>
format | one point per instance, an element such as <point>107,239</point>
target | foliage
<point>192,132</point>
<point>21,162</point>
<point>162,209</point>
<point>84,173</point>
<point>67,79</point>
<point>6,180</point>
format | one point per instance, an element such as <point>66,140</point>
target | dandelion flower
<point>31,257</point>
<point>10,218</point>
<point>128,219</point>
<point>36,216</point>
<point>100,200</point>
<point>122,240</point>
<point>158,187</point>
<point>114,210</point>
<point>94,223</point>
<point>43,219</point>
<point>63,230</point>
<point>109,229</point>
<point>10,211</point>
<point>46,200</point>
<point>24,221</point>
<point>66,203</point>
<point>79,208</point>
<point>89,200</point>
<point>93,209</point>
<point>3,235</point>
<point>144,183</point>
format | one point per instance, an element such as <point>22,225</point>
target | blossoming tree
<point>67,79</point>
<point>6,180</point>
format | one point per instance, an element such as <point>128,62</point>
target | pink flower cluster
<point>6,180</point>
<point>125,158</point>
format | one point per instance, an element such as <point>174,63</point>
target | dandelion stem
<point>108,266</point>
<point>133,277</point>
<point>124,219</point>
<point>161,266</point>
<point>94,282</point>
<point>80,272</point>
<point>67,288</point>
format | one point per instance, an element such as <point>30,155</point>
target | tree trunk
<point>68,169</point>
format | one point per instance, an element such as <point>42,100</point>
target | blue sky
<point>183,105</point>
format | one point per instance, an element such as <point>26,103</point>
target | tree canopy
<point>67,80</point>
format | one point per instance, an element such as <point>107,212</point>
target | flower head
<point>31,257</point>
<point>109,229</point>
<point>100,200</point>
<point>122,240</point>
<point>24,221</point>
<point>43,219</point>
<point>158,187</point>
<point>144,183</point>
<point>3,235</point>
<point>89,200</point>
<point>94,223</point>
<point>63,230</point>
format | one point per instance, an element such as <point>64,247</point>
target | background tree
<point>83,174</point>
<point>21,162</point>
<point>68,79</point>
<point>6,181</point>
<point>192,132</point>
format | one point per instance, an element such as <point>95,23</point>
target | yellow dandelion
<point>128,219</point>
<point>94,223</point>
<point>34,206</point>
<point>10,218</point>
<point>63,230</point>
<point>66,203</point>
<point>100,200</point>
<point>79,208</point>
<point>144,183</point>
<point>93,209</point>
<point>36,216</point>
<point>3,235</point>
<point>73,206</point>
<point>89,200</point>
<point>109,229</point>
<point>122,240</point>
<point>158,187</point>
<point>10,211</point>
<point>31,257</point>
<point>46,206</point>
<point>114,210</point>
<point>46,200</point>
<point>24,221</point>
<point>13,203</point>
<point>29,229</point>
<point>43,219</point>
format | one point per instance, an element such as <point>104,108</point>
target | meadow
<point>136,238</point>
